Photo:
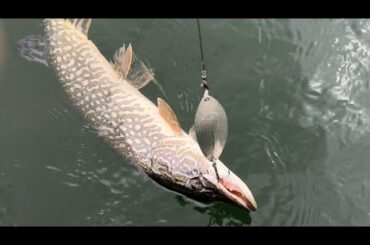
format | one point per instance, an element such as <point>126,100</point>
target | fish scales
<point>126,119</point>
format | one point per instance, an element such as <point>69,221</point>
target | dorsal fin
<point>32,48</point>
<point>169,116</point>
<point>131,68</point>
<point>82,25</point>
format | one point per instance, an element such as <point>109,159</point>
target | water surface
<point>297,97</point>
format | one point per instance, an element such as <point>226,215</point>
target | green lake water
<point>297,96</point>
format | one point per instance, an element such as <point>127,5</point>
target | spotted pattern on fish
<point>118,111</point>
<point>178,156</point>
<point>126,119</point>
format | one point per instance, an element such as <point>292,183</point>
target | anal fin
<point>131,68</point>
<point>123,60</point>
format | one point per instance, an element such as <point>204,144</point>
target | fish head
<point>179,165</point>
<point>228,186</point>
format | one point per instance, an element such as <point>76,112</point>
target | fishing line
<point>204,83</point>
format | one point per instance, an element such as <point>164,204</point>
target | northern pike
<point>107,94</point>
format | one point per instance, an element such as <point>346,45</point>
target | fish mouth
<point>234,193</point>
<point>230,187</point>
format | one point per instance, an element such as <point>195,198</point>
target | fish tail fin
<point>83,25</point>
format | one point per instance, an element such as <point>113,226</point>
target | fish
<point>108,96</point>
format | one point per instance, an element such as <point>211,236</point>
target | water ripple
<point>297,96</point>
<point>336,97</point>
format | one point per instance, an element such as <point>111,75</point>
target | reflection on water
<point>220,214</point>
<point>296,93</point>
<point>336,95</point>
<point>2,47</point>
<point>6,217</point>
<point>225,215</point>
